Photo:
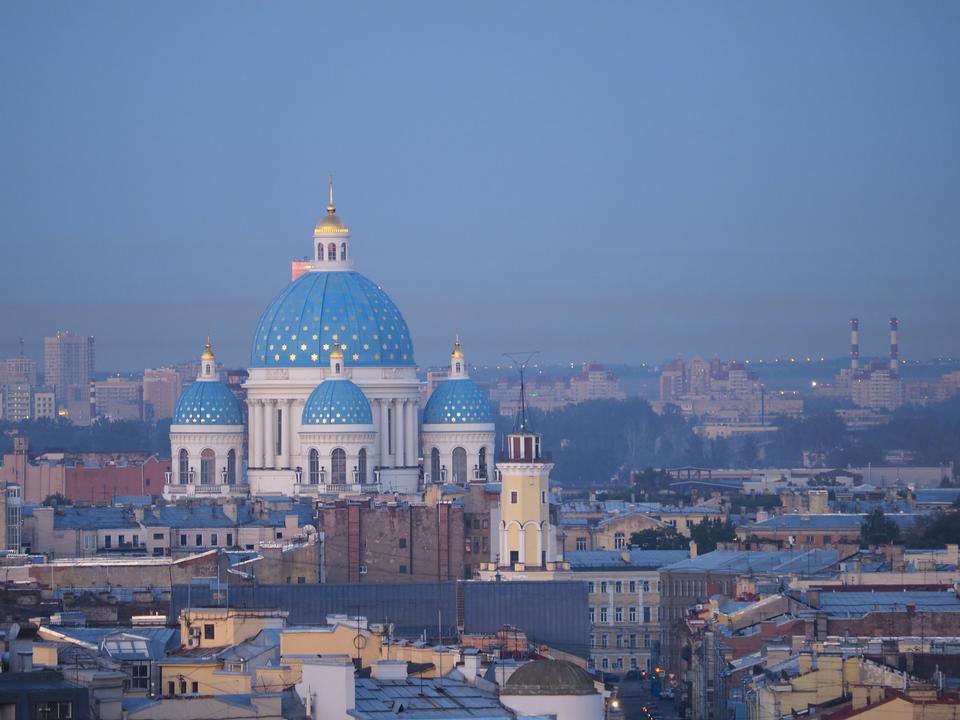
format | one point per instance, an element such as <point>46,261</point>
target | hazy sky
<point>604,180</point>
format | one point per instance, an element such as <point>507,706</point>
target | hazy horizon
<point>615,182</point>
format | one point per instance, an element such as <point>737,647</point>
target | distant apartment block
<point>68,361</point>
<point>118,399</point>
<point>18,370</point>
<point>161,388</point>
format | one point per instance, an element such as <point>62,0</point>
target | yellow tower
<point>526,533</point>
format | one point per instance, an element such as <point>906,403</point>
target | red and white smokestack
<point>894,348</point>
<point>854,343</point>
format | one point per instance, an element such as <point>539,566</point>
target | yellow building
<point>527,537</point>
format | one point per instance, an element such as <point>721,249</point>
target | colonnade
<point>394,419</point>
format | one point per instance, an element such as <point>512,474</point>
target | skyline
<point>644,182</point>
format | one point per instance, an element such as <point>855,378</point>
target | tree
<point>707,533</point>
<point>878,529</point>
<point>56,500</point>
<point>659,539</point>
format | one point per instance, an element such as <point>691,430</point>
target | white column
<point>539,543</point>
<point>398,460</point>
<point>269,439</point>
<point>251,425</point>
<point>505,547</point>
<point>411,432</point>
<point>523,544</point>
<point>384,431</point>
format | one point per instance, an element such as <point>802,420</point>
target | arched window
<point>483,462</point>
<point>338,467</point>
<point>362,465</point>
<point>183,476</point>
<point>332,251</point>
<point>618,541</point>
<point>314,478</point>
<point>232,467</point>
<point>435,465</point>
<point>207,466</point>
<point>319,251</point>
<point>458,366</point>
<point>459,466</point>
<point>343,251</point>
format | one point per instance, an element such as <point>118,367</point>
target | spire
<point>208,363</point>
<point>336,359</point>
<point>208,351</point>
<point>458,363</point>
<point>457,350</point>
<point>331,208</point>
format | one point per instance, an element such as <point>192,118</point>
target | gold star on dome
<point>356,356</point>
<point>314,357</point>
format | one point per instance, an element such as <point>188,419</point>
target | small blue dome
<point>457,401</point>
<point>337,402</point>
<point>297,328</point>
<point>207,402</point>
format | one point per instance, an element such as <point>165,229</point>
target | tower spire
<point>331,208</point>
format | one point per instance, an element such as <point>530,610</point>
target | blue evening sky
<point>619,181</point>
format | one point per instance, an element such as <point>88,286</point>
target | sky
<point>606,181</point>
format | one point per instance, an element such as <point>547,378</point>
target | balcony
<point>177,489</point>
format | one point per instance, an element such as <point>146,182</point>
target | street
<point>634,694</point>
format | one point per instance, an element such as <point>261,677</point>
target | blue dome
<point>457,401</point>
<point>207,402</point>
<point>337,402</point>
<point>297,328</point>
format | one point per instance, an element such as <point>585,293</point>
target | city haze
<point>643,180</point>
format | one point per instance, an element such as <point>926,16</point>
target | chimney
<point>693,549</point>
<point>894,348</point>
<point>471,664</point>
<point>854,344</point>
<point>389,670</point>
<point>230,510</point>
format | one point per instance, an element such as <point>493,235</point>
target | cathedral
<point>332,398</point>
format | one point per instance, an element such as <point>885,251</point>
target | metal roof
<point>613,559</point>
<point>737,562</point>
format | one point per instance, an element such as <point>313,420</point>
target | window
<point>121,539</point>
<point>603,613</point>
<point>603,586</point>
<point>543,497</point>
<point>633,586</point>
<point>207,466</point>
<point>136,541</point>
<point>229,539</point>
<point>158,536</point>
<point>139,676</point>
<point>183,687</point>
<point>633,663</point>
<point>314,469</point>
<point>604,642</point>
<point>183,540</point>
<point>619,641</point>
<point>343,251</point>
<point>54,710</point>
<point>213,538</point>
<point>618,541</point>
<point>646,614</point>
<point>646,640</point>
<point>332,251</point>
<point>403,542</point>
<point>232,467</point>
<point>338,467</point>
<point>171,688</point>
<point>659,614</point>
<point>107,541</point>
<point>362,465</point>
<point>483,462</point>
<point>301,580</point>
<point>827,539</point>
<point>604,663</point>
<point>633,640</point>
<point>319,251</point>
<point>618,587</point>
<point>403,569</point>
<point>183,474</point>
<point>591,587</point>
<point>582,544</point>
<point>618,615</point>
<point>279,436</point>
<point>593,641</point>
<point>466,545</point>
<point>513,497</point>
<point>593,614</point>
<point>435,465</point>
<point>646,586</point>
<point>199,540</point>
<point>208,631</point>
<point>633,614</point>
<point>195,687</point>
<point>459,466</point>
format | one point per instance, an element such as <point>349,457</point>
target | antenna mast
<point>521,360</point>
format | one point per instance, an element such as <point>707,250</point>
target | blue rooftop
<point>92,518</point>
<point>613,560</point>
<point>319,309</point>
<point>337,401</point>
<point>457,401</point>
<point>857,604</point>
<point>774,562</point>
<point>829,521</point>
<point>208,402</point>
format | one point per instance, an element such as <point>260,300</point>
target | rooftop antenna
<point>21,347</point>
<point>521,360</point>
